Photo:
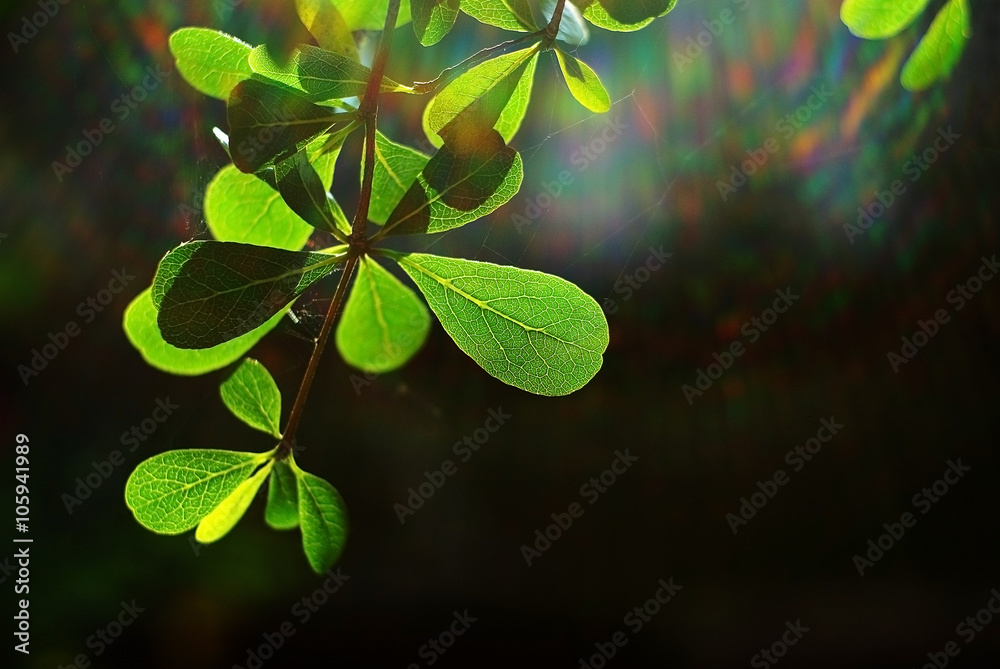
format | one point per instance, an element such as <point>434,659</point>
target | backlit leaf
<point>282,512</point>
<point>879,19</point>
<point>211,61</point>
<point>370,14</point>
<point>224,517</point>
<point>171,492</point>
<point>210,292</point>
<point>302,190</point>
<point>483,96</point>
<point>433,19</point>
<point>596,11</point>
<point>583,83</point>
<point>325,22</point>
<point>531,330</point>
<point>940,49</point>
<point>267,121</point>
<point>323,520</point>
<point>384,322</point>
<point>458,187</point>
<point>396,168</point>
<point>252,395</point>
<point>142,331</point>
<point>506,14</point>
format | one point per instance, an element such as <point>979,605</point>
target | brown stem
<point>552,29</point>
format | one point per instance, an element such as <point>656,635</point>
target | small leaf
<point>583,83</point>
<point>253,397</point>
<point>384,322</point>
<point>324,22</point>
<point>210,292</point>
<point>433,19</point>
<point>224,517</point>
<point>458,187</point>
<point>142,331</point>
<point>316,74</point>
<point>323,519</point>
<point>595,12</point>
<point>171,492</point>
<point>267,121</point>
<point>303,192</point>
<point>940,49</point>
<point>481,96</point>
<point>282,512</point>
<point>211,61</point>
<point>880,19</point>
<point>396,168</point>
<point>240,207</point>
<point>531,330</point>
<point>370,14</point>
<point>506,14</point>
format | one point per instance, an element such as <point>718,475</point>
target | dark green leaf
<point>268,122</point>
<point>210,292</point>
<point>323,519</point>
<point>303,192</point>
<point>531,330</point>
<point>282,512</point>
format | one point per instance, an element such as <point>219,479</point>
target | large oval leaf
<point>211,61</point>
<point>531,330</point>
<point>596,11</point>
<point>171,492</point>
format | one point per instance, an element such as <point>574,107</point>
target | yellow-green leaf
<point>224,517</point>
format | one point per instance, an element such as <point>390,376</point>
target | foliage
<point>289,114</point>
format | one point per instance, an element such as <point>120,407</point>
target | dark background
<point>656,184</point>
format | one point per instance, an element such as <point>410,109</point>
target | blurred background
<point>691,106</point>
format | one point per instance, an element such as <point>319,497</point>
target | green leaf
<point>633,12</point>
<point>224,517</point>
<point>940,49</point>
<point>384,322</point>
<point>583,83</point>
<point>507,14</point>
<point>396,168</point>
<point>879,19</point>
<point>318,75</point>
<point>324,22</point>
<point>211,61</point>
<point>323,518</point>
<point>253,397</point>
<point>142,331</point>
<point>303,192</point>
<point>433,19</point>
<point>282,512</point>
<point>171,492</point>
<point>267,121</point>
<point>210,292</point>
<point>493,94</point>
<point>370,14</point>
<point>240,207</point>
<point>456,188</point>
<point>531,330</point>
<point>596,11</point>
